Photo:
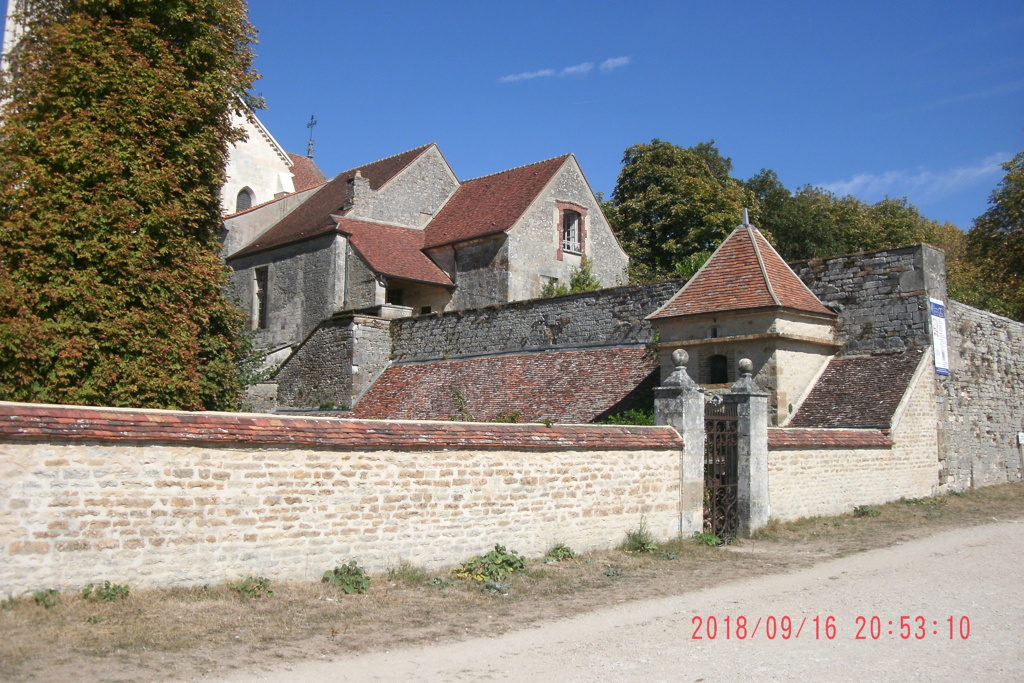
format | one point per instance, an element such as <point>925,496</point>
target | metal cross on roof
<point>309,146</point>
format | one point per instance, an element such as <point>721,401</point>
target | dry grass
<point>188,632</point>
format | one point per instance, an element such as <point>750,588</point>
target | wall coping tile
<point>22,421</point>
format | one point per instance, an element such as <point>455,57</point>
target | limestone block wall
<point>604,317</point>
<point>336,362</point>
<point>479,270</point>
<point>829,471</point>
<point>981,402</point>
<point>881,297</point>
<point>915,435</point>
<point>155,498</point>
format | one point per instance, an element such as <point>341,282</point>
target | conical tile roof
<point>745,272</point>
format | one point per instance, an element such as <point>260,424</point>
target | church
<point>405,236</point>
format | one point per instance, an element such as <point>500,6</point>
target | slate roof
<point>393,250</point>
<point>305,173</point>
<point>312,218</point>
<point>745,272</point>
<point>491,204</point>
<point>25,422</point>
<point>858,391</point>
<point>564,386</point>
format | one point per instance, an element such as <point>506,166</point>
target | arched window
<point>718,369</point>
<point>244,199</point>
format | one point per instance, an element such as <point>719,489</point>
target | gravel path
<point>970,572</point>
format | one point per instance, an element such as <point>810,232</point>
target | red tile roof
<point>312,218</point>
<point>49,423</point>
<point>563,386</point>
<point>490,205</point>
<point>392,250</point>
<point>788,438</point>
<point>305,173</point>
<point>745,272</point>
<point>860,391</point>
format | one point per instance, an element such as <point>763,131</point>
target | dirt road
<point>967,574</point>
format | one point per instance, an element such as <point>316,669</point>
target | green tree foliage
<point>116,128</point>
<point>996,241</point>
<point>671,202</point>
<point>813,222</point>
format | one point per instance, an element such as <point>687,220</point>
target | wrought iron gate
<point>721,473</point>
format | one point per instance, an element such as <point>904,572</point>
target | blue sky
<point>916,99</point>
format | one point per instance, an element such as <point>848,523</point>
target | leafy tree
<point>115,130</point>
<point>997,238</point>
<point>969,278</point>
<point>814,222</point>
<point>671,202</point>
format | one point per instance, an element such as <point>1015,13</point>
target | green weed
<point>47,597</point>
<point>866,511</point>
<point>495,566</point>
<point>707,538</point>
<point>348,577</point>
<point>108,592</point>
<point>252,587</point>
<point>560,553</point>
<point>640,540</point>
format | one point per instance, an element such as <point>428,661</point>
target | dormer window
<point>572,229</point>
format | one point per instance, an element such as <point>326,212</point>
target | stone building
<point>404,236</point>
<point>747,303</point>
<point>259,170</point>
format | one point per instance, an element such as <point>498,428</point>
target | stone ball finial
<point>680,357</point>
<point>746,366</point>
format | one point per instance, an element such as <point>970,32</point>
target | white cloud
<point>922,185</point>
<point>584,68</point>
<point>1002,89</point>
<point>527,75</point>
<point>576,70</point>
<point>614,63</point>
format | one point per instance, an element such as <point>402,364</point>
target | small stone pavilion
<point>747,303</point>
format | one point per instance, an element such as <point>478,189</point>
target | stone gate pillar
<point>752,446</point>
<point>679,403</point>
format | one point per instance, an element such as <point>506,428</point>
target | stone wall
<point>606,317</point>
<point>153,498</point>
<point>256,163</point>
<point>534,248</point>
<point>241,229</point>
<point>302,284</point>
<point>981,402</point>
<point>831,471</point>
<point>412,197</point>
<point>809,475</point>
<point>881,297</point>
<point>336,363</point>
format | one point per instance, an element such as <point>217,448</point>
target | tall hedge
<point>116,122</point>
